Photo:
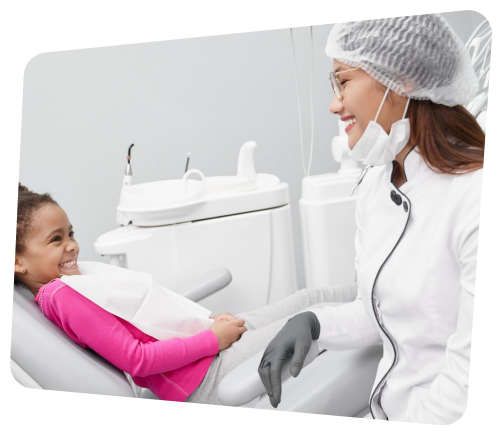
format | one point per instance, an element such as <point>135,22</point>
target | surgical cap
<point>420,56</point>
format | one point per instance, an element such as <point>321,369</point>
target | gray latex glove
<point>294,339</point>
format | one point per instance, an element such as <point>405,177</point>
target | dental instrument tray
<point>174,201</point>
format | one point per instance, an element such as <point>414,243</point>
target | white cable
<point>312,106</point>
<point>406,107</point>
<point>382,102</point>
<point>298,103</point>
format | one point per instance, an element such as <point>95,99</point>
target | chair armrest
<point>337,383</point>
<point>205,284</point>
<point>243,383</point>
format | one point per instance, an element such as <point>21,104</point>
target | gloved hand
<point>293,339</point>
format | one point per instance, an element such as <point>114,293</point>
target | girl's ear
<point>18,267</point>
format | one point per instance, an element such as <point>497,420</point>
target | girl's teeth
<point>68,264</point>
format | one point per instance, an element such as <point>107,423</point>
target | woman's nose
<point>336,106</point>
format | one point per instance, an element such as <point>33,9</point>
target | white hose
<point>306,173</point>
<point>312,106</point>
<point>298,102</point>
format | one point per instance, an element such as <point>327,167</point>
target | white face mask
<point>376,147</point>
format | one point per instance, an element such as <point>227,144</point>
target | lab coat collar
<point>414,166</point>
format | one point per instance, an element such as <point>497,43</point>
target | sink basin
<point>164,192</point>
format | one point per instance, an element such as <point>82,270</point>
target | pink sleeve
<point>106,335</point>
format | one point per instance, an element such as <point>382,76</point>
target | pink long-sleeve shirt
<point>171,369</point>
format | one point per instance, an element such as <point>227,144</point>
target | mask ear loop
<point>406,107</point>
<point>380,107</point>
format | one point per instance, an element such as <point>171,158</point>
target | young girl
<point>181,369</point>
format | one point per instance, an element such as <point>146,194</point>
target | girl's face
<point>51,249</point>
<point>361,98</point>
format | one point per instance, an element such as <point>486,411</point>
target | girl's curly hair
<point>28,203</point>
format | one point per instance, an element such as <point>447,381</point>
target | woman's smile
<point>350,121</point>
<point>362,98</point>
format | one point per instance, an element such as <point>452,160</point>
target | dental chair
<point>44,357</point>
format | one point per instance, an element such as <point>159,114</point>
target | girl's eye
<point>72,233</point>
<point>57,238</point>
<point>343,82</point>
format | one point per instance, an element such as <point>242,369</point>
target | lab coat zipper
<point>388,335</point>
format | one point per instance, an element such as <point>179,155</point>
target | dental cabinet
<point>179,229</point>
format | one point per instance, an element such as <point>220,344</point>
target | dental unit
<point>128,175</point>
<point>181,228</point>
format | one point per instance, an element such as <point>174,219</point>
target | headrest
<point>53,360</point>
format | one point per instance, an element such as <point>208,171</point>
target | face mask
<point>376,147</point>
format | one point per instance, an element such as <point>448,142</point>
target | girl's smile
<point>70,265</point>
<point>51,251</point>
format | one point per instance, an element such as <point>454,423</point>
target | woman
<point>417,217</point>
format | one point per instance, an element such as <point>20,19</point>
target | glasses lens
<point>335,85</point>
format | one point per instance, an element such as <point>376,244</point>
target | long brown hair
<point>450,139</point>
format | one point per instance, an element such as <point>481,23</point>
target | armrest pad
<point>205,284</point>
<point>243,383</point>
<point>337,383</point>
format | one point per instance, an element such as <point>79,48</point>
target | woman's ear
<point>408,89</point>
<point>406,84</point>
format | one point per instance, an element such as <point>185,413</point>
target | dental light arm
<point>479,47</point>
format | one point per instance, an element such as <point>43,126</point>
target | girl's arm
<point>91,326</point>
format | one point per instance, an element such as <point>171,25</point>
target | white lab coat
<point>415,259</point>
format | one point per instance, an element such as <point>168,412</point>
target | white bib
<point>136,297</point>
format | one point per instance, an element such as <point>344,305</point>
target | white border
<point>32,27</point>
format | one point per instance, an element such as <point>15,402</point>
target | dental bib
<point>376,147</point>
<point>137,298</point>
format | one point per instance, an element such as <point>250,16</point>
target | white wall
<point>83,108</point>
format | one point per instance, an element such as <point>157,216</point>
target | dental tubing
<point>306,172</point>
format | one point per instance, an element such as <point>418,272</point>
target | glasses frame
<point>338,89</point>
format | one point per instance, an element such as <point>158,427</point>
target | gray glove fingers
<point>270,375</point>
<point>301,349</point>
<point>264,373</point>
<point>275,374</point>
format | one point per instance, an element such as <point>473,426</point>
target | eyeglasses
<point>336,84</point>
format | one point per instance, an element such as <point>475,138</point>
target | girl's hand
<point>228,332</point>
<point>226,316</point>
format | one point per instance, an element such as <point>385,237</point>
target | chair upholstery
<point>38,347</point>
